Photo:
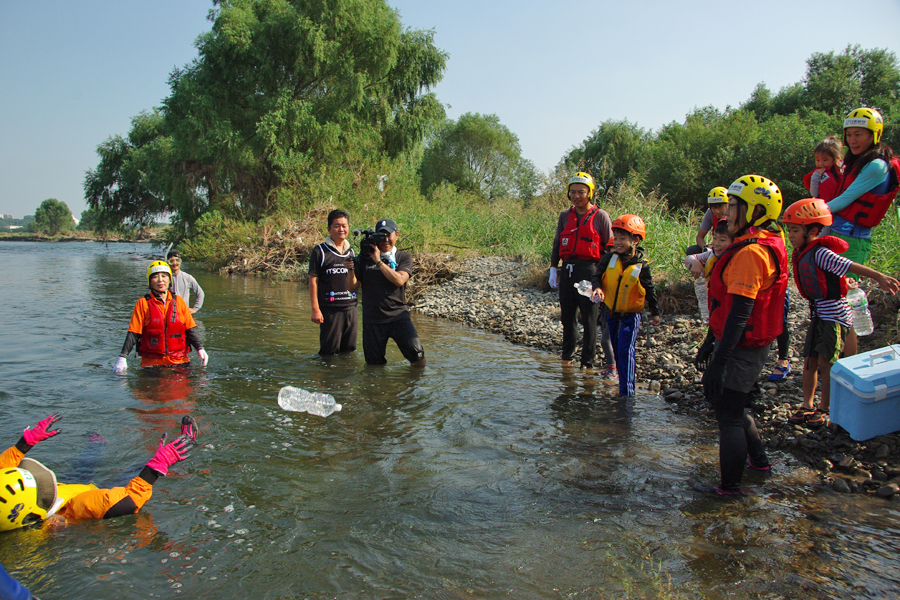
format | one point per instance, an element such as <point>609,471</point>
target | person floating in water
<point>161,325</point>
<point>29,492</point>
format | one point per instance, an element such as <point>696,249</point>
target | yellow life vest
<point>622,289</point>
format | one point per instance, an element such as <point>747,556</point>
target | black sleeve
<point>315,261</point>
<point>646,280</point>
<point>22,446</point>
<point>741,308</point>
<point>126,505</point>
<point>193,338</point>
<point>131,340</point>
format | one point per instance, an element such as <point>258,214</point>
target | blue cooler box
<point>865,393</point>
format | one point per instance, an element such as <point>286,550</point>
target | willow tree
<point>278,89</point>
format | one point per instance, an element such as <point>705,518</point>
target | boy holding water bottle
<point>820,273</point>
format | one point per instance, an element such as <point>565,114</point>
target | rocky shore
<point>488,293</point>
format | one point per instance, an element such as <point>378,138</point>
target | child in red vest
<point>825,180</point>
<point>820,274</point>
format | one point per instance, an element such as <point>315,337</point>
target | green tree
<point>611,151</point>
<point>52,217</point>
<point>280,90</point>
<point>477,153</point>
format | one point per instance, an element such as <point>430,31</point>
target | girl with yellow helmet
<point>162,326</point>
<point>868,188</point>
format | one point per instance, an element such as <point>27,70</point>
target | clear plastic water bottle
<point>585,288</point>
<point>299,400</point>
<point>702,300</point>
<point>862,318</point>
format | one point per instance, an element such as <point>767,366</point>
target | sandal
<point>779,372</point>
<point>817,419</point>
<point>801,416</point>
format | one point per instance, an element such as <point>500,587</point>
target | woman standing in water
<point>161,325</point>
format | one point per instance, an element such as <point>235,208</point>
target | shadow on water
<point>488,473</point>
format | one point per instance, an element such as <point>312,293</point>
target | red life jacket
<point>163,335</point>
<point>715,220</point>
<point>869,209</point>
<point>815,283</point>
<point>579,238</point>
<point>766,322</point>
<point>829,188</point>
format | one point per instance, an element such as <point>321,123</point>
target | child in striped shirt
<point>820,274</point>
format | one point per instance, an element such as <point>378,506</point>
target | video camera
<point>369,240</point>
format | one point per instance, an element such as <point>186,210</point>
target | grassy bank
<point>459,224</point>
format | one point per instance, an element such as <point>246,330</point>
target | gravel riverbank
<point>487,293</point>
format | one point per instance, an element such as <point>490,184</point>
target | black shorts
<point>337,333</point>
<point>402,331</point>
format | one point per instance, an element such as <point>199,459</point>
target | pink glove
<point>169,454</point>
<point>40,433</point>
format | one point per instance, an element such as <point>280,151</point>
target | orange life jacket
<point>164,335</point>
<point>766,322</point>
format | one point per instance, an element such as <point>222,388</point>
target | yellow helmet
<point>158,266</point>
<point>867,118</point>
<point>757,190</point>
<point>27,493</point>
<point>717,195</point>
<point>584,178</point>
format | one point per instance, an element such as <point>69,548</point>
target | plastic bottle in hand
<point>585,288</point>
<point>299,400</point>
<point>702,301</point>
<point>862,318</point>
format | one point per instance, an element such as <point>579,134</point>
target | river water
<point>490,473</point>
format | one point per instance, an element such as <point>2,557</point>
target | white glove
<point>203,355</point>
<point>121,365</point>
<point>554,278</point>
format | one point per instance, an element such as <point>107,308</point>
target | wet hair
<point>831,146</point>
<point>722,228</point>
<point>337,214</point>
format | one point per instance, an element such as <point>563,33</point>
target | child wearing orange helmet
<point>624,284</point>
<point>820,274</point>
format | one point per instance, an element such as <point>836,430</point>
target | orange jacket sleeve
<point>96,504</point>
<point>11,457</point>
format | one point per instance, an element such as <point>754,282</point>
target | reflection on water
<point>489,473</point>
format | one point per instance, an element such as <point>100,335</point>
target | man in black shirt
<point>332,288</point>
<point>382,275</point>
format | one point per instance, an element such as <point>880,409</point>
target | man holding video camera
<point>383,271</point>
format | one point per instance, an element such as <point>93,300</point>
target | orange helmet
<point>807,212</point>
<point>633,224</point>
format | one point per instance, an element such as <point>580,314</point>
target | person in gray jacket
<point>183,284</point>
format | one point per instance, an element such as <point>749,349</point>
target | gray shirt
<point>183,284</point>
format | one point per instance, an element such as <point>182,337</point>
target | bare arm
<point>316,314</point>
<point>885,282</point>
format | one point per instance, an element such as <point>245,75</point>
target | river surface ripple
<point>488,474</point>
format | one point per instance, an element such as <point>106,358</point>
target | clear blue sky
<point>74,73</point>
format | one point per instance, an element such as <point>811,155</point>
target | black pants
<point>738,437</point>
<point>337,333</point>
<point>402,331</point>
<point>570,301</point>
